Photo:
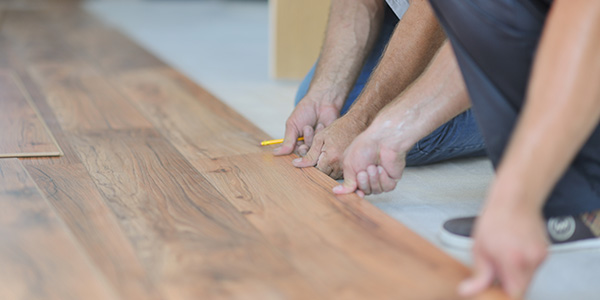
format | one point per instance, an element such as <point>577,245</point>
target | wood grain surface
<point>23,131</point>
<point>164,193</point>
<point>187,235</point>
<point>38,257</point>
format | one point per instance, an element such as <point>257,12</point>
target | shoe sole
<point>464,243</point>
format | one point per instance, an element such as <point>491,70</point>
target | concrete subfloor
<point>223,45</point>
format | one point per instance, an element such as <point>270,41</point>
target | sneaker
<point>565,233</point>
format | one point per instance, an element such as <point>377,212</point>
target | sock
<point>592,220</point>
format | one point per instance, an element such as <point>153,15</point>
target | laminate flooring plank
<point>171,106</point>
<point>14,59</point>
<point>39,258</point>
<point>191,241</point>
<point>87,38</point>
<point>23,131</point>
<point>83,100</point>
<point>193,127</point>
<point>83,34</point>
<point>35,4</point>
<point>34,39</point>
<point>76,199</point>
<point>188,236</point>
<point>142,76</point>
<point>344,242</point>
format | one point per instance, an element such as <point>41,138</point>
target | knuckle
<point>290,123</point>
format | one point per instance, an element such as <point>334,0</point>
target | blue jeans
<point>458,138</point>
<point>495,43</point>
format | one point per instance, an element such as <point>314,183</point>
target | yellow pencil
<point>277,141</point>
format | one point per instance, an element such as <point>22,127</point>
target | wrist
<point>509,193</point>
<point>397,129</point>
<point>327,94</point>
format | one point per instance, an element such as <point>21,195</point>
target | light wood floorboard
<point>24,133</point>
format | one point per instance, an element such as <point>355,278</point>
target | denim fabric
<point>495,43</point>
<point>459,137</point>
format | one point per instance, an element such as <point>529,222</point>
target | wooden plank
<point>179,110</point>
<point>88,37</point>
<point>191,241</point>
<point>83,100</point>
<point>34,39</point>
<point>196,278</point>
<point>355,247</point>
<point>24,133</point>
<point>39,258</point>
<point>285,236</point>
<point>77,201</point>
<point>196,130</point>
<point>70,189</point>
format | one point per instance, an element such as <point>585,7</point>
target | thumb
<point>482,278</point>
<point>349,185</point>
<point>311,158</point>
<point>289,141</point>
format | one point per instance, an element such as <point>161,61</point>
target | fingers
<point>308,135</point>
<point>392,163</point>
<point>319,127</point>
<point>324,165</point>
<point>302,149</point>
<point>481,279</point>
<point>517,270</point>
<point>374,180</point>
<point>363,182</point>
<point>312,156</point>
<point>289,141</point>
<point>378,181</point>
<point>387,183</point>
<point>349,185</point>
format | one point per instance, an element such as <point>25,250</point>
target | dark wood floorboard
<point>38,257</point>
<point>73,193</point>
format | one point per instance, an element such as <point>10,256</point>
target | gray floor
<point>223,45</point>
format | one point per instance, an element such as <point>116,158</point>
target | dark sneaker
<point>565,233</point>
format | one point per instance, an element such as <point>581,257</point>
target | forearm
<point>562,107</point>
<point>414,42</point>
<point>435,98</point>
<point>351,32</point>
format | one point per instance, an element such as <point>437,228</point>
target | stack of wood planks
<point>163,192</point>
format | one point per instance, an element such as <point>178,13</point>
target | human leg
<point>495,42</point>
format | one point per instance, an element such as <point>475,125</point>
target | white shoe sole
<point>463,243</point>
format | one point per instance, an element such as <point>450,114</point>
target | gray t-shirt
<point>398,6</point>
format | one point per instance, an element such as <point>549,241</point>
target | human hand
<point>375,160</point>
<point>309,117</point>
<point>328,146</point>
<point>509,245</point>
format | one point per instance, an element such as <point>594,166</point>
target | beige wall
<point>297,29</point>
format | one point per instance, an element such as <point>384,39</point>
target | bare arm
<point>561,111</point>
<point>414,42</point>
<point>376,159</point>
<point>563,103</point>
<point>352,30</point>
